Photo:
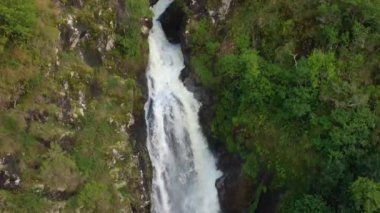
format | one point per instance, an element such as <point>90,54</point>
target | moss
<point>63,118</point>
<point>23,202</point>
<point>59,172</point>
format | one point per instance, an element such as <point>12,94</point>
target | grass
<point>41,123</point>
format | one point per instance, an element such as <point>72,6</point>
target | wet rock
<point>173,22</point>
<point>137,131</point>
<point>9,181</point>
<point>152,2</point>
<point>235,190</point>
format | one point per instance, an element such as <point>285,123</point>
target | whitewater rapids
<point>184,170</point>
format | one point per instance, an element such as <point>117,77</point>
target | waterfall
<point>184,170</point>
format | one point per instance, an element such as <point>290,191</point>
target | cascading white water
<point>184,171</point>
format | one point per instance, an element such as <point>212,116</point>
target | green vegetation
<point>296,85</point>
<point>67,103</point>
<point>59,172</point>
<point>18,20</point>
<point>307,203</point>
<point>366,195</point>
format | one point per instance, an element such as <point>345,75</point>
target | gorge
<point>190,106</point>
<point>184,170</point>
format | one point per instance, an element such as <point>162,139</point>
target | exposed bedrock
<point>173,22</point>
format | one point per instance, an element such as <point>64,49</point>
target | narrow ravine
<point>184,170</point>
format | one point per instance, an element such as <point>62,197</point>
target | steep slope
<point>69,100</point>
<point>295,94</point>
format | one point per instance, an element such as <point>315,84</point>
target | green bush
<point>366,195</point>
<point>95,197</point>
<point>17,20</point>
<point>307,204</point>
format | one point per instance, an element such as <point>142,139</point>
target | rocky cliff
<point>71,107</point>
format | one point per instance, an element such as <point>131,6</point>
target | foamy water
<point>184,170</point>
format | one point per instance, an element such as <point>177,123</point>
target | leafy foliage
<point>95,197</point>
<point>307,203</point>
<point>17,20</point>
<point>366,195</point>
<point>297,94</point>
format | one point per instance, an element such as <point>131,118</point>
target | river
<point>184,169</point>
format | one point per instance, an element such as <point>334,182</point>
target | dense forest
<point>296,90</point>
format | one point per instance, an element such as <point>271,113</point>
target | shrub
<point>17,19</point>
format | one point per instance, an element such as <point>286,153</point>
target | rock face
<point>173,22</point>
<point>235,189</point>
<point>224,9</point>
<point>152,2</point>
<point>197,8</point>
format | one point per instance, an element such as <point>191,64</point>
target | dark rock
<point>59,196</point>
<point>197,7</point>
<point>173,22</point>
<point>235,190</point>
<point>9,173</point>
<point>152,2</point>
<point>70,35</point>
<point>36,115</point>
<point>147,22</point>
<point>138,134</point>
<point>92,57</point>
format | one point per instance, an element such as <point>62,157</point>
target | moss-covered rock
<point>68,100</point>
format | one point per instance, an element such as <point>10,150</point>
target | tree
<point>307,204</point>
<point>366,195</point>
<point>17,20</point>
